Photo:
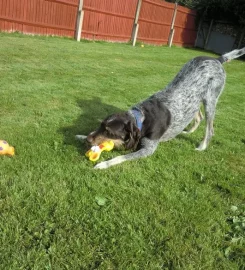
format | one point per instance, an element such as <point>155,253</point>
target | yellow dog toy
<point>6,149</point>
<point>94,153</point>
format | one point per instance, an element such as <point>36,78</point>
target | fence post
<point>241,38</point>
<point>171,33</point>
<point>199,28</point>
<point>208,35</point>
<point>79,23</point>
<point>136,25</point>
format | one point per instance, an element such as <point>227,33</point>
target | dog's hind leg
<point>209,114</point>
<point>209,103</point>
<point>197,120</point>
<point>208,135</point>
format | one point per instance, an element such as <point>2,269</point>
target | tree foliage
<point>230,10</point>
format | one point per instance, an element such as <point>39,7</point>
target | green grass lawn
<point>179,209</point>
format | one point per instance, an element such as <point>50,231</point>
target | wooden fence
<point>44,17</point>
<point>111,20</point>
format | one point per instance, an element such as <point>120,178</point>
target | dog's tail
<point>231,55</point>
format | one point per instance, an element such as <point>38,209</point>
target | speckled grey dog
<point>167,113</point>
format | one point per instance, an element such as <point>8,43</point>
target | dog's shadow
<point>92,112</point>
<point>187,137</point>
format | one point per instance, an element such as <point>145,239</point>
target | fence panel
<point>45,17</point>
<point>108,19</point>
<point>185,27</point>
<point>155,21</point>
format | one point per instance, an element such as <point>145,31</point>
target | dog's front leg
<point>81,137</point>
<point>148,148</point>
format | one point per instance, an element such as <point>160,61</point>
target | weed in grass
<point>235,238</point>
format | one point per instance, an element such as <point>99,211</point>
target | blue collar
<point>139,117</point>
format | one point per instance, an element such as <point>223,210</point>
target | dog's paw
<point>81,137</point>
<point>200,148</point>
<point>102,165</point>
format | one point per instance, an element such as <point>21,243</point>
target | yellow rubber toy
<point>94,153</point>
<point>6,149</point>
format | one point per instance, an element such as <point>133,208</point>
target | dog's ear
<point>133,136</point>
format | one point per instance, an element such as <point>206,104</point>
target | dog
<point>168,112</point>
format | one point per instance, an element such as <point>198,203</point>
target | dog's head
<point>120,128</point>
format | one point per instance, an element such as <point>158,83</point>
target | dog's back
<point>190,87</point>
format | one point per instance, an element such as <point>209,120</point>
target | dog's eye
<point>108,133</point>
<point>111,135</point>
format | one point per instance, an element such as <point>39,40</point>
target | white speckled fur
<point>198,81</point>
<point>201,80</point>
